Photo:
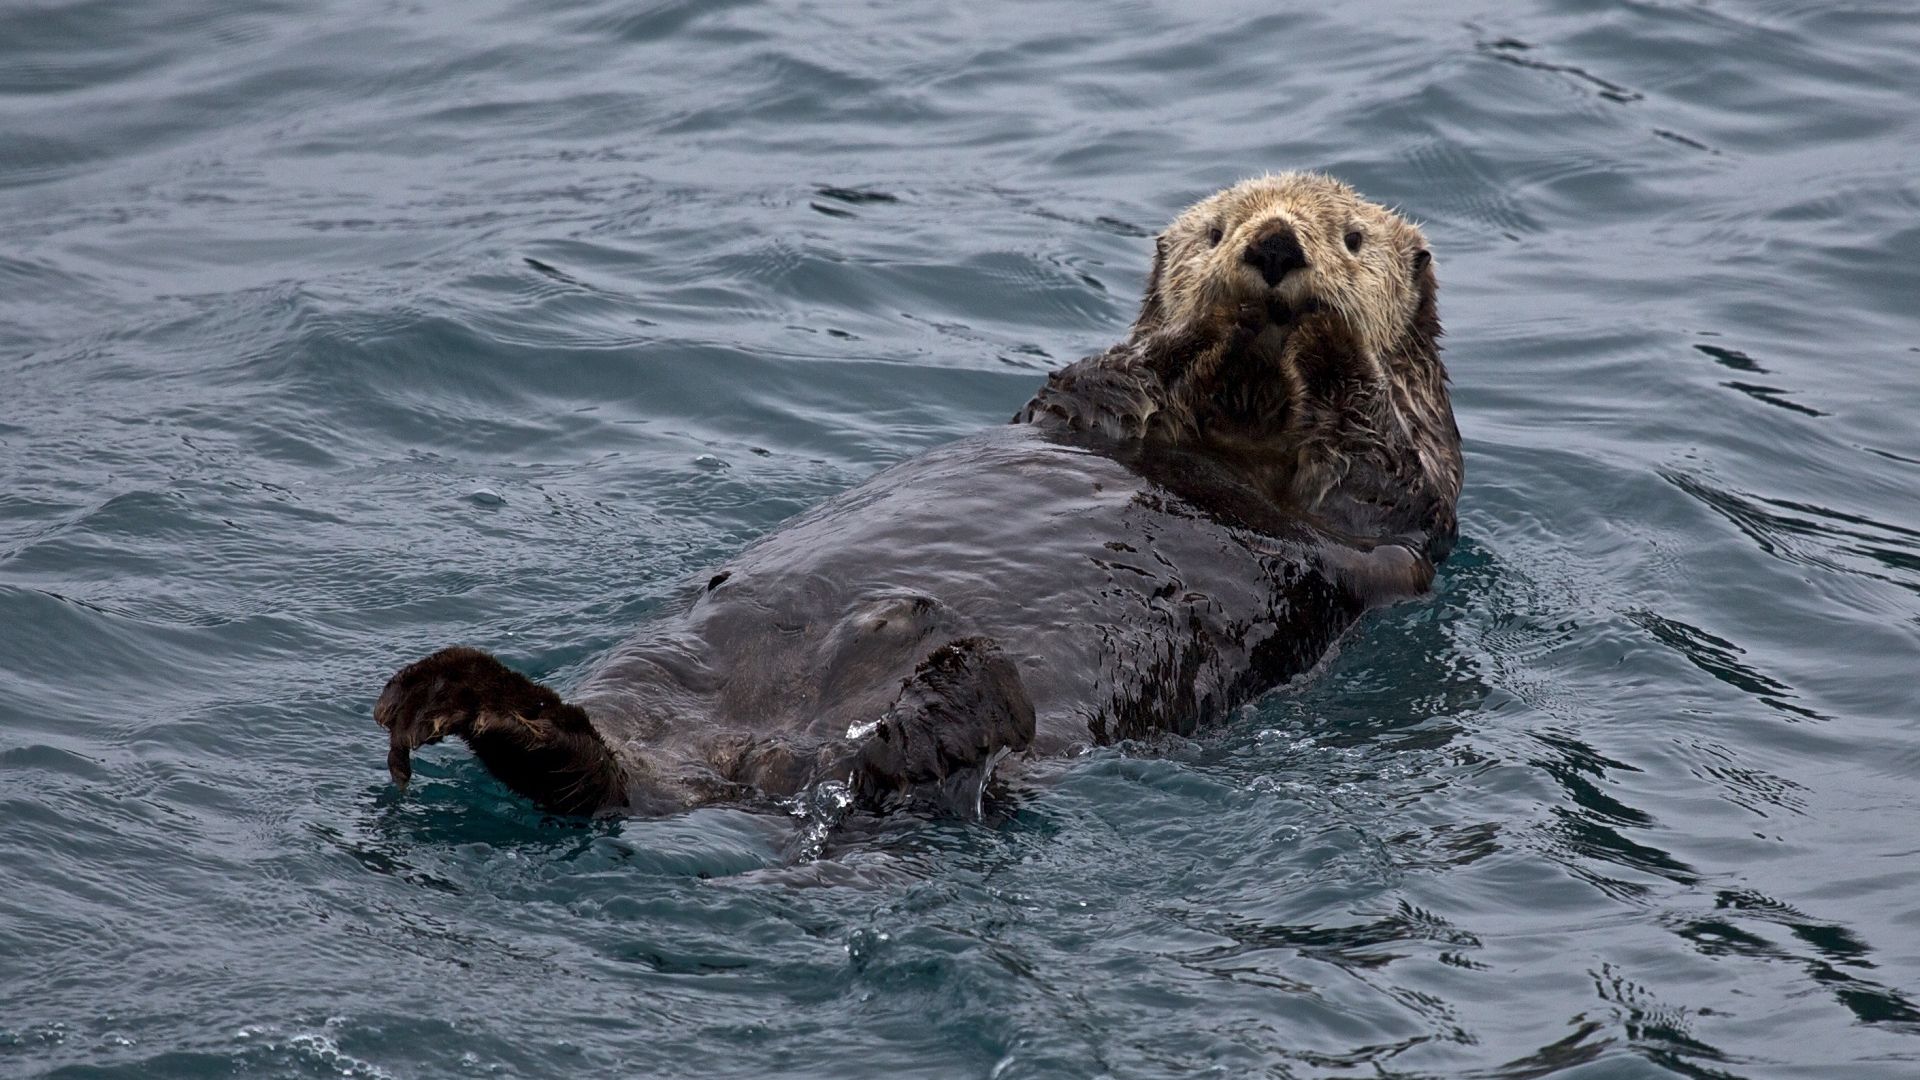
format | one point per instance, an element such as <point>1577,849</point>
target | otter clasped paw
<point>1250,317</point>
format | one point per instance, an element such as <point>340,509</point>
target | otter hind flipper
<point>535,743</point>
<point>962,710</point>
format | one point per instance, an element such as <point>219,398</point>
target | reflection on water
<point>332,335</point>
<point>1720,659</point>
<point>1807,533</point>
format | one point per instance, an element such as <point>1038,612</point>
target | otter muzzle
<point>1275,254</point>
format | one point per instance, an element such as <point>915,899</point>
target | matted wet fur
<point>1167,530</point>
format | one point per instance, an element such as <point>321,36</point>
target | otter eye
<point>1353,240</point>
<point>1213,236</point>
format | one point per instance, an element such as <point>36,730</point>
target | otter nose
<point>1275,254</point>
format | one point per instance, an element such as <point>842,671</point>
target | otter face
<point>1297,243</point>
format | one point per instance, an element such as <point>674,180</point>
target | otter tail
<point>537,744</point>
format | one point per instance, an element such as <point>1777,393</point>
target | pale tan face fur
<point>1204,274</point>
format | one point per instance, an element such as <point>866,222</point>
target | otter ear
<point>1426,312</point>
<point>1151,309</point>
<point>1423,282</point>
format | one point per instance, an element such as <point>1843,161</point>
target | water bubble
<point>820,808</point>
<point>864,944</point>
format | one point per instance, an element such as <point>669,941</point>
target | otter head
<point>1279,248</point>
<point>1293,323</point>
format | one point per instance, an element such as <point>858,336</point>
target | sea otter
<point>1166,531</point>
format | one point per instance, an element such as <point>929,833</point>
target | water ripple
<point>330,335</point>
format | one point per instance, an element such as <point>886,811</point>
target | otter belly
<point>1091,604</point>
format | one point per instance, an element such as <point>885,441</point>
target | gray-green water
<point>334,332</point>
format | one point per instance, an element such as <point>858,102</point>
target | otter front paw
<point>433,698</point>
<point>1248,318</point>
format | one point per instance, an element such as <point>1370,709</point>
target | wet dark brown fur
<point>1167,530</point>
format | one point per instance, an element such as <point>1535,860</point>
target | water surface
<point>331,333</point>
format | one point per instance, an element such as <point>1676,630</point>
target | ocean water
<point>334,332</point>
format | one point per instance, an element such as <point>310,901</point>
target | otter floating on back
<point>1166,531</point>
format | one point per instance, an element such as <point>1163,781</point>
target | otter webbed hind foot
<point>962,710</point>
<point>535,743</point>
